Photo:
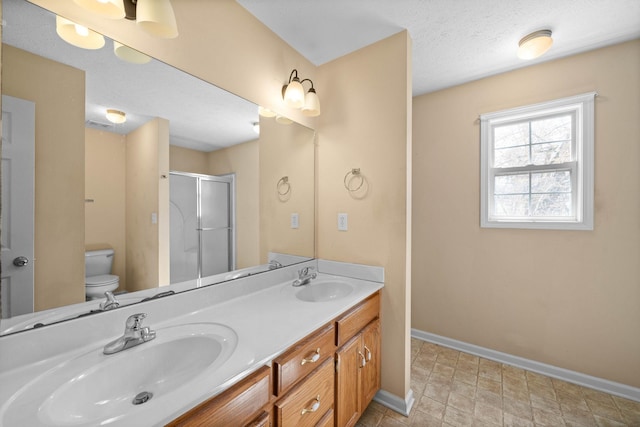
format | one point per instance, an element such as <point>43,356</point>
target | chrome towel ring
<point>283,186</point>
<point>350,176</point>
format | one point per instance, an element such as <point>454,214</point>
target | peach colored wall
<point>186,160</point>
<point>295,143</point>
<point>365,124</point>
<point>58,92</point>
<point>242,159</point>
<point>147,152</point>
<point>105,175</point>
<point>567,298</point>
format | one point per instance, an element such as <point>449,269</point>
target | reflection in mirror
<point>99,185</point>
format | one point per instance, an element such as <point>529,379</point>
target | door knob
<point>20,261</point>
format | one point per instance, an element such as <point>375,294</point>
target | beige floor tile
<point>488,413</point>
<point>460,402</point>
<point>454,389</point>
<point>432,407</point>
<point>457,418</point>
<point>511,420</point>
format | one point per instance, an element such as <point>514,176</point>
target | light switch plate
<point>295,220</point>
<point>343,222</point>
<point>154,218</point>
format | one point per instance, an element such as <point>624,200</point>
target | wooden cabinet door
<point>371,371</point>
<point>349,360</point>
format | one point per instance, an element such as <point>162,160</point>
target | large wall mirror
<point>129,188</point>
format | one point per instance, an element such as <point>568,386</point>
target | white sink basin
<point>98,389</point>
<point>323,290</point>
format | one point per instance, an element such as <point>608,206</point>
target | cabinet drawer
<point>307,355</point>
<point>306,404</point>
<point>236,406</point>
<point>357,318</point>
<point>262,420</point>
<point>327,420</point>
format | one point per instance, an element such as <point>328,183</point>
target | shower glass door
<point>202,225</point>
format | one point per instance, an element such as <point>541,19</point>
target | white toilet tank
<point>98,262</point>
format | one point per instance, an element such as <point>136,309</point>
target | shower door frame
<point>230,179</point>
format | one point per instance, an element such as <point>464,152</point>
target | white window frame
<point>582,168</point>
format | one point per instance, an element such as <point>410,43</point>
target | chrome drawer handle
<point>368,352</point>
<point>312,359</point>
<point>363,360</point>
<point>312,408</point>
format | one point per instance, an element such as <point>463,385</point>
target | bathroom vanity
<point>327,378</point>
<point>254,351</point>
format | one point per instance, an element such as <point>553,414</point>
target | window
<point>537,165</point>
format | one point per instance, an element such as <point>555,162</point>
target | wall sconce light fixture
<point>535,44</point>
<point>129,54</point>
<point>294,96</point>
<point>78,35</point>
<point>116,116</point>
<point>156,17</point>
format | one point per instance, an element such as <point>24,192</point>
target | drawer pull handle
<point>312,408</point>
<point>312,359</point>
<point>368,352</point>
<point>363,360</point>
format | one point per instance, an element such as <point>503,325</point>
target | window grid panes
<point>536,167</point>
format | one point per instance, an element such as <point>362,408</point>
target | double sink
<point>92,388</point>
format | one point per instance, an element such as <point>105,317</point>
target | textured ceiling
<point>454,41</point>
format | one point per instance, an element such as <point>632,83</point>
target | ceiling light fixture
<point>294,96</point>
<point>156,17</point>
<point>77,35</point>
<point>535,44</point>
<point>116,116</point>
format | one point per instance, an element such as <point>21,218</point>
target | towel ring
<point>283,186</point>
<point>351,175</point>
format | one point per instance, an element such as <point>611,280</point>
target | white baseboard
<point>611,387</point>
<point>391,401</point>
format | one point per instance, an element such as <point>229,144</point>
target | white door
<point>18,160</point>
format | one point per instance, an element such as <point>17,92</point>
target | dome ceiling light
<point>535,44</point>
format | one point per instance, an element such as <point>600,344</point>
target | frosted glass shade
<point>77,35</point>
<point>283,120</point>
<point>113,9</point>
<point>129,54</point>
<point>116,116</point>
<point>156,17</point>
<point>265,112</point>
<point>535,44</point>
<point>311,104</point>
<point>294,94</point>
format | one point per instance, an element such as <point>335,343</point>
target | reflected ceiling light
<point>265,112</point>
<point>129,54</point>
<point>256,127</point>
<point>156,17</point>
<point>294,96</point>
<point>283,120</point>
<point>116,116</point>
<point>113,9</point>
<point>77,35</point>
<point>534,44</point>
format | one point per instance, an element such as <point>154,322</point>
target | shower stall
<point>202,224</point>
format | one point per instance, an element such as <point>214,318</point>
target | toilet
<point>98,278</point>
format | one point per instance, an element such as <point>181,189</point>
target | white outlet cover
<point>295,220</point>
<point>343,222</point>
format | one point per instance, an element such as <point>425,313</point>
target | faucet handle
<point>134,322</point>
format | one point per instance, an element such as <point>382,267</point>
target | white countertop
<point>263,311</point>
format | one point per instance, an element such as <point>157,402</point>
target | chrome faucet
<point>273,264</point>
<point>110,303</point>
<point>305,275</point>
<point>134,334</point>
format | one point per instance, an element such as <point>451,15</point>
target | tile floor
<point>452,388</point>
